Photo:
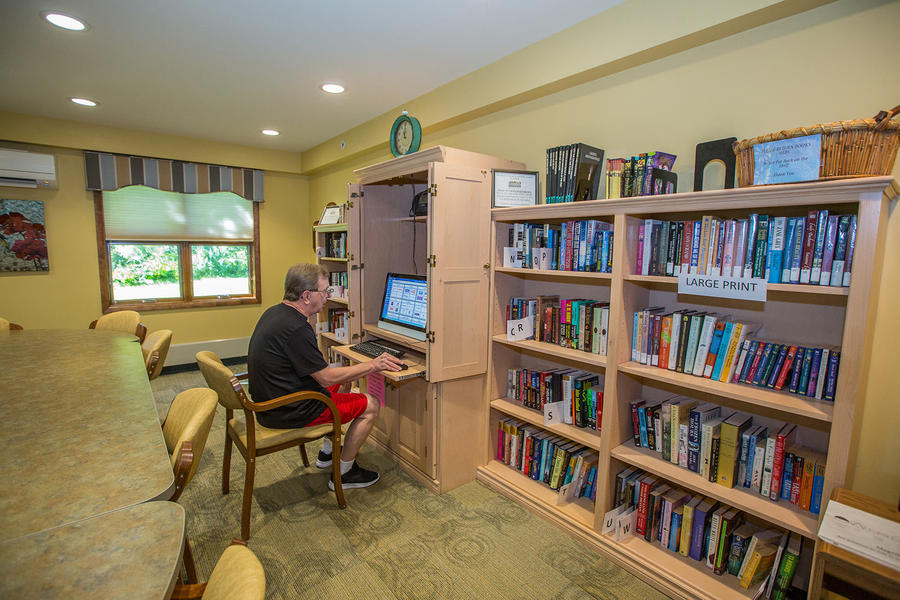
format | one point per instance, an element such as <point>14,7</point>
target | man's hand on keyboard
<point>386,362</point>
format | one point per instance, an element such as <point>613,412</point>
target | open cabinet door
<point>458,271</point>
<point>354,234</point>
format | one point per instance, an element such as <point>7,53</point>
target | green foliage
<point>142,264</point>
<point>134,264</point>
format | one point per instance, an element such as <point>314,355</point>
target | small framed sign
<point>786,161</point>
<point>514,188</point>
<point>332,215</point>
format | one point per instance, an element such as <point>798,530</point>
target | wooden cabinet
<point>433,425</point>
<point>842,317</point>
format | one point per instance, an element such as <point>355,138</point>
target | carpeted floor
<point>394,540</point>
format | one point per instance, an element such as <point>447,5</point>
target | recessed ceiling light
<point>64,21</point>
<point>83,101</point>
<point>270,132</point>
<point>333,88</point>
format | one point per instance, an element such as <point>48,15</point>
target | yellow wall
<point>69,294</point>
<point>818,66</point>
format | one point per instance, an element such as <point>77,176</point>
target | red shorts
<point>349,406</point>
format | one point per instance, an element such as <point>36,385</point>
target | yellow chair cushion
<point>238,575</point>
<point>124,320</point>
<point>190,418</point>
<point>267,438</point>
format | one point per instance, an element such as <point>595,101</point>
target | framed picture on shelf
<point>332,215</point>
<point>514,188</point>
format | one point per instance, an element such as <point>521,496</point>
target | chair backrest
<point>157,342</point>
<point>218,377</point>
<point>4,324</point>
<point>190,418</point>
<point>127,321</point>
<point>238,575</point>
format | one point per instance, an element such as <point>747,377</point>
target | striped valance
<point>105,171</point>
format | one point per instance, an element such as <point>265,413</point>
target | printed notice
<point>784,161</point>
<point>515,188</point>
<point>722,287</point>
<point>862,533</point>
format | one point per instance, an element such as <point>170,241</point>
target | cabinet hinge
<point>431,260</point>
<point>359,266</point>
<point>353,336</point>
<point>426,450</point>
<point>430,336</point>
<point>355,195</point>
<point>352,314</point>
<point>350,202</point>
<point>432,191</point>
<point>350,256</point>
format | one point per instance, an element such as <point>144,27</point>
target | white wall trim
<point>181,354</point>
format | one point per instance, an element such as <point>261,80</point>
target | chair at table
<point>238,575</point>
<point>253,439</point>
<point>185,431</point>
<point>4,324</point>
<point>127,321</point>
<point>155,348</point>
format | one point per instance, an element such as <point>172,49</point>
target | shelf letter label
<point>553,412</point>
<point>540,258</point>
<point>512,258</point>
<point>722,287</point>
<point>520,329</point>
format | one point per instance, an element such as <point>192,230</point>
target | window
<point>164,250</point>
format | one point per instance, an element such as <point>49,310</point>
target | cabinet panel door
<point>354,296</point>
<point>385,422</point>
<point>412,429</point>
<point>459,240</point>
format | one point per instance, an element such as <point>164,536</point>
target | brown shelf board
<point>782,513</point>
<point>816,410</point>
<point>585,437</point>
<point>419,219</point>
<point>552,274</point>
<point>338,300</point>
<point>330,336</point>
<point>588,358</point>
<point>403,340</point>
<point>580,512</point>
<point>333,259</point>
<point>781,288</point>
<point>330,228</point>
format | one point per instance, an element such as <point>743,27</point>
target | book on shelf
<point>731,519</point>
<point>770,579</point>
<point>759,566</point>
<point>740,540</point>
<point>790,558</point>
<point>764,537</point>
<point>729,451</point>
<point>815,249</point>
<point>634,176</point>
<point>573,173</point>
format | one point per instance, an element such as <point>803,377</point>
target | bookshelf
<point>337,249</point>
<point>806,314</point>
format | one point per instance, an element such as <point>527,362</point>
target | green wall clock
<point>406,135</point>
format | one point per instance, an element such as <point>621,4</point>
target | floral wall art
<point>23,239</point>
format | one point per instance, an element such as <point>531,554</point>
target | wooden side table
<point>847,573</point>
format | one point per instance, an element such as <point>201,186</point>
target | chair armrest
<point>182,468</point>
<point>141,332</point>
<point>287,399</point>
<point>188,591</point>
<point>152,361</point>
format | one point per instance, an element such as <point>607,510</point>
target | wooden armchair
<point>253,439</point>
<point>238,575</point>
<point>185,431</point>
<point>155,348</point>
<point>4,324</point>
<point>127,321</point>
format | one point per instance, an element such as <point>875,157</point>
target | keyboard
<point>374,350</point>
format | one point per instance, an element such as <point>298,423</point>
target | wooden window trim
<point>187,300</point>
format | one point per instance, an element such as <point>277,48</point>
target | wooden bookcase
<point>835,316</point>
<point>432,425</point>
<point>349,263</point>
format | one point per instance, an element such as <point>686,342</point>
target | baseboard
<point>180,354</point>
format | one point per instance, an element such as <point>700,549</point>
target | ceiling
<point>225,69</point>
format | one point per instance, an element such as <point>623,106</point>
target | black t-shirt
<point>282,356</point>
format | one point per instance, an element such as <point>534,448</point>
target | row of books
<point>629,177</point>
<point>339,279</point>
<point>580,392</point>
<point>816,249</point>
<point>337,320</point>
<point>725,447</point>
<point>570,246</point>
<point>573,173</point>
<point>569,322</point>
<point>711,346</point>
<point>709,532</point>
<point>336,245</point>
<point>548,458</point>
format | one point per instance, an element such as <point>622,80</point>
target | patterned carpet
<point>394,540</point>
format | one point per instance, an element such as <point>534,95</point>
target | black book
<point>655,230</point>
<point>679,245</point>
<point>682,339</point>
<point>587,173</point>
<point>663,248</point>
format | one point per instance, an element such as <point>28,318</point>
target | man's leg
<point>359,430</point>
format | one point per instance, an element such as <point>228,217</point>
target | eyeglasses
<point>326,293</point>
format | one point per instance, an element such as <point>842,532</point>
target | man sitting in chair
<point>284,358</point>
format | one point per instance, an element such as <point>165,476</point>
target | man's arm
<point>337,375</point>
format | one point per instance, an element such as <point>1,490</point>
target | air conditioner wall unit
<point>22,168</point>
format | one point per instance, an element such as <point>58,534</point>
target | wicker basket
<point>849,148</point>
